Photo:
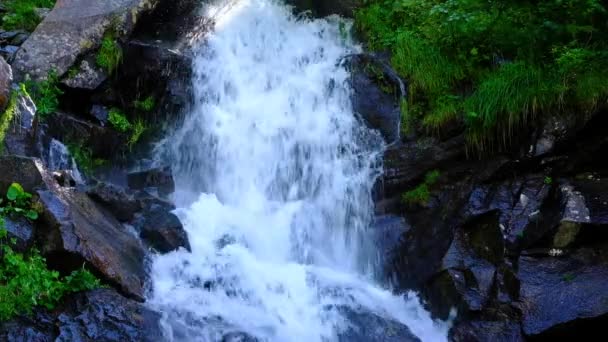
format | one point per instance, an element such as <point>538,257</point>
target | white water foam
<point>274,176</point>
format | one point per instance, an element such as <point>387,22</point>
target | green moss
<point>109,55</point>
<point>145,105</point>
<point>422,193</point>
<point>118,120</point>
<point>21,14</point>
<point>139,128</point>
<point>7,117</point>
<point>83,156</point>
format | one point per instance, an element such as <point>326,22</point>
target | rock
<point>89,76</point>
<point>322,8</point>
<point>8,52</point>
<point>121,203</point>
<point>365,326</point>
<point>104,142</point>
<point>574,214</point>
<point>160,178</point>
<point>564,294</point>
<point>595,192</point>
<point>387,232</point>
<point>73,29</point>
<point>74,229</point>
<point>19,138</point>
<point>65,178</point>
<point>100,113</point>
<point>42,12</point>
<point>20,229</point>
<point>6,78</point>
<point>20,38</point>
<point>29,172</point>
<point>238,337</point>
<point>487,331</point>
<point>163,231</point>
<point>377,94</point>
<point>98,315</point>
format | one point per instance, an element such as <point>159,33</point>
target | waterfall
<point>274,176</point>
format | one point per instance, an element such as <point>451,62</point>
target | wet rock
<point>364,326</point>
<point>104,142</point>
<point>98,315</point>
<point>565,293</point>
<point>377,94</point>
<point>65,178</point>
<point>6,78</point>
<point>29,172</point>
<point>594,189</point>
<point>9,52</point>
<point>487,331</point>
<point>20,229</point>
<point>19,137</point>
<point>574,214</point>
<point>387,231</point>
<point>74,229</point>
<point>322,8</point>
<point>159,178</point>
<point>72,29</point>
<point>121,203</point>
<point>163,231</point>
<point>100,113</point>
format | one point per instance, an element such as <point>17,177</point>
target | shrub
<point>21,14</point>
<point>118,120</point>
<point>109,55</point>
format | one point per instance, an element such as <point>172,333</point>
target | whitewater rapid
<point>274,176</point>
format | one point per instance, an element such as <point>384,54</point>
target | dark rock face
<point>29,172</point>
<point>163,231</point>
<point>74,229</point>
<point>22,230</point>
<point>159,178</point>
<point>363,326</point>
<point>6,78</point>
<point>99,315</point>
<point>558,291</point>
<point>117,200</point>
<point>377,94</point>
<point>19,137</point>
<point>322,8</point>
<point>487,331</point>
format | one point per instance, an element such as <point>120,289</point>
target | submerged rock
<point>98,315</point>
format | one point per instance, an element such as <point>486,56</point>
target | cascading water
<point>274,176</point>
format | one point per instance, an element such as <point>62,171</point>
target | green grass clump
<point>7,116</point>
<point>45,93</point>
<point>118,120</point>
<point>109,55</point>
<point>492,65</point>
<point>422,193</point>
<point>146,105</point>
<point>83,156</point>
<point>25,280</point>
<point>21,14</point>
<point>139,128</point>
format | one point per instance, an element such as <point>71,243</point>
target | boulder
<point>564,294</point>
<point>73,29</point>
<point>573,215</point>
<point>19,137</point>
<point>73,229</point>
<point>487,331</point>
<point>8,52</point>
<point>364,326</point>
<point>20,229</point>
<point>120,202</point>
<point>162,230</point>
<point>29,172</point>
<point>6,78</point>
<point>160,178</point>
<point>377,94</point>
<point>98,315</point>
<point>89,75</point>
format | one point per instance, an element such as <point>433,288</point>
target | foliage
<point>19,202</point>
<point>494,65</point>
<point>118,120</point>
<point>8,115</point>
<point>83,156</point>
<point>45,93</point>
<point>21,14</point>
<point>139,128</point>
<point>109,55</point>
<point>146,105</point>
<point>548,180</point>
<point>422,193</point>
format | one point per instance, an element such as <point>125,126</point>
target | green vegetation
<point>548,180</point>
<point>147,105</point>
<point>118,120</point>
<point>21,14</point>
<point>422,193</point>
<point>83,156</point>
<point>494,65</point>
<point>109,55</point>
<point>138,130</point>
<point>45,93</point>
<point>7,116</point>
<point>25,280</point>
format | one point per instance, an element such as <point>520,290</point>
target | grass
<point>109,55</point>
<point>118,120</point>
<point>421,194</point>
<point>21,14</point>
<point>7,116</point>
<point>146,105</point>
<point>45,93</point>
<point>139,128</point>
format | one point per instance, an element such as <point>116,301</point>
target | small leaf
<point>32,215</point>
<point>14,191</point>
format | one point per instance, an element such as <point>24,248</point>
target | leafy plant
<point>138,130</point>
<point>21,14</point>
<point>45,93</point>
<point>422,193</point>
<point>118,119</point>
<point>146,105</point>
<point>19,202</point>
<point>83,156</point>
<point>548,180</point>
<point>109,55</point>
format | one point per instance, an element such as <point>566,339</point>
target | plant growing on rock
<point>83,156</point>
<point>21,14</point>
<point>45,93</point>
<point>138,130</point>
<point>145,105</point>
<point>118,120</point>
<point>422,193</point>
<point>109,56</point>
<point>19,202</point>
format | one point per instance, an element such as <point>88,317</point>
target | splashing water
<point>274,176</point>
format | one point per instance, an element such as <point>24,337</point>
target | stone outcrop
<point>6,78</point>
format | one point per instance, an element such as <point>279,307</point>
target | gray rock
<point>481,330</point>
<point>19,138</point>
<point>121,203</point>
<point>89,76</point>
<point>72,29</point>
<point>74,229</point>
<point>8,52</point>
<point>160,178</point>
<point>20,229</point>
<point>6,78</point>
<point>29,172</point>
<point>100,113</point>
<point>574,214</point>
<point>365,326</point>
<point>163,231</point>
